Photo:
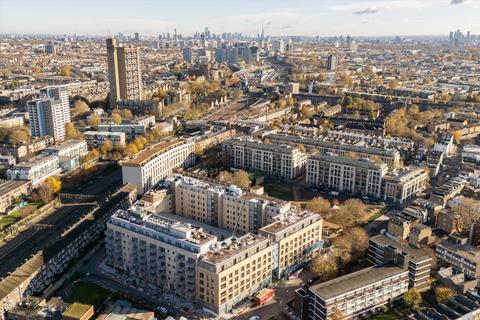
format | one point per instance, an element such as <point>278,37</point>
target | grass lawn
<point>278,191</point>
<point>375,216</point>
<point>88,293</point>
<point>389,315</point>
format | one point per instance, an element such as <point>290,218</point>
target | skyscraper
<point>49,113</point>
<point>187,54</point>
<point>124,72</point>
<point>331,62</point>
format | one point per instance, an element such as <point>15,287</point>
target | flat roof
<point>10,185</point>
<point>65,144</point>
<point>415,255</point>
<point>356,280</point>
<point>150,152</point>
<point>77,310</point>
<point>22,273</point>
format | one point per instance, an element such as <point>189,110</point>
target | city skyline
<point>303,17</point>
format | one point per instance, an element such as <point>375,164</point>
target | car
<point>254,318</point>
<point>162,310</point>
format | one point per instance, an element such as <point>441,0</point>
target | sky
<point>278,17</point>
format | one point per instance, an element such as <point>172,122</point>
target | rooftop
<point>151,152</point>
<point>415,255</point>
<point>65,144</point>
<point>77,310</point>
<point>32,162</point>
<point>353,281</point>
<point>229,248</point>
<point>289,220</point>
<point>9,185</point>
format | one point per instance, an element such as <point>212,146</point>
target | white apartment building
<point>229,208</point>
<point>345,174</point>
<point>131,130</point>
<point>357,293</point>
<point>147,121</point>
<point>49,114</point>
<point>156,162</point>
<point>70,148</point>
<point>156,250</point>
<point>389,156</point>
<point>283,161</point>
<point>36,169</point>
<point>12,121</point>
<point>96,139</point>
<point>400,186</point>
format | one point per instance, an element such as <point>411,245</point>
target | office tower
<point>203,66</point>
<point>278,46</point>
<point>51,48</point>
<point>331,62</point>
<point>187,54</point>
<point>232,55</point>
<point>124,72</point>
<point>49,113</point>
<point>220,55</point>
<point>137,36</point>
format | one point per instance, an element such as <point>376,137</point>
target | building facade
<point>36,169</point>
<point>49,114</point>
<point>124,72</point>
<point>279,161</point>
<point>149,166</point>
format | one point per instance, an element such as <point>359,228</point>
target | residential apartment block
<point>156,250</point>
<point>131,130</point>
<point>12,121</point>
<point>457,253</point>
<point>229,208</point>
<point>232,271</point>
<point>295,237</point>
<point>10,191</point>
<point>49,113</point>
<point>418,263</point>
<point>284,162</point>
<point>96,139</point>
<point>402,185</point>
<point>357,293</point>
<point>36,169</point>
<point>149,166</point>
<point>124,72</point>
<point>70,148</point>
<point>389,156</point>
<point>345,174</point>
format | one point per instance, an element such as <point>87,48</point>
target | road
<point>15,252</point>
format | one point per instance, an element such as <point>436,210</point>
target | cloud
<point>370,10</point>
<point>457,1</point>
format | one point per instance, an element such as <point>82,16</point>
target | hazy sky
<point>279,17</point>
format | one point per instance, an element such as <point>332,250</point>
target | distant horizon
<point>308,18</point>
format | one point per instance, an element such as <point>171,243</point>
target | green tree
<point>442,294</point>
<point>412,299</point>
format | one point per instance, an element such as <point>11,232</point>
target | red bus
<point>263,296</point>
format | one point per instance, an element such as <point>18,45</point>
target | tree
<point>412,299</point>
<point>241,179</point>
<point>413,110</point>
<point>281,103</point>
<point>45,192</point>
<point>140,142</point>
<point>80,107</point>
<point>352,212</point>
<point>442,294</point>
<point>71,132</point>
<point>116,118</point>
<point>468,211</point>
<point>131,149</point>
<point>17,136</point>
<point>428,143</point>
<point>94,121</point>
<point>55,184</point>
<point>224,177</point>
<point>107,146</point>
<point>457,136</point>
<point>290,101</point>
<point>319,205</point>
<point>324,266</point>
<point>392,84</point>
<point>66,70</point>
<point>359,241</point>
